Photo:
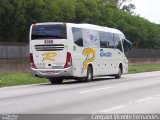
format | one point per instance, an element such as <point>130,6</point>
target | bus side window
<point>127,45</point>
<point>103,42</point>
<point>109,39</point>
<point>106,40</point>
<point>117,42</point>
<point>77,36</point>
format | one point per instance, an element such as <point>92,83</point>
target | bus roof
<point>95,27</point>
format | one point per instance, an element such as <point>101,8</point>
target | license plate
<point>49,72</point>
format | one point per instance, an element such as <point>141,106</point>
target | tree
<point>88,11</point>
<point>129,8</point>
<point>125,5</point>
<point>16,16</point>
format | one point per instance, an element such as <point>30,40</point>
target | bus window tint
<point>49,32</point>
<point>117,42</point>
<point>103,42</point>
<point>127,45</point>
<point>122,37</point>
<point>77,36</point>
<point>109,37</point>
<point>106,40</point>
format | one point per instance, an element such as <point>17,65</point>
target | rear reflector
<point>68,60</point>
<point>31,61</point>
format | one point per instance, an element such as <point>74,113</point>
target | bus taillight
<point>68,60</point>
<point>31,61</point>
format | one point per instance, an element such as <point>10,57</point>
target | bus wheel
<point>89,76</point>
<point>117,76</point>
<point>56,80</point>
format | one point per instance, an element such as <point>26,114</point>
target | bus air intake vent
<point>55,47</point>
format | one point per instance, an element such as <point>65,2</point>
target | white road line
<point>157,95</point>
<point>94,90</point>
<point>113,108</point>
<point>18,92</point>
<point>21,86</point>
<point>145,99</point>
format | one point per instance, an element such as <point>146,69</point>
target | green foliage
<point>144,68</point>
<point>16,16</point>
<point>14,79</point>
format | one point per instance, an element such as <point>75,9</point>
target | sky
<point>149,9</point>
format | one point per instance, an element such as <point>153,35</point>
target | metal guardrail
<point>13,50</point>
<point>21,51</point>
<point>144,53</point>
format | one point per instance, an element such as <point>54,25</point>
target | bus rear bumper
<point>53,73</point>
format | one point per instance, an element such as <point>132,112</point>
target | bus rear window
<point>49,32</point>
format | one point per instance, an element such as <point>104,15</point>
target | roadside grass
<point>14,79</point>
<point>144,68</point>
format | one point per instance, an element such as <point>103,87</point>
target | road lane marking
<point>21,86</point>
<point>17,92</point>
<point>94,90</point>
<point>145,99</point>
<point>157,95</point>
<point>114,108</point>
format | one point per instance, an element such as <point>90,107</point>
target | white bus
<point>81,51</point>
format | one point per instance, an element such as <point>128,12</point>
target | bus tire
<point>89,76</point>
<point>55,80</point>
<point>118,76</point>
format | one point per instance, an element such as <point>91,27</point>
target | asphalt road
<point>133,93</point>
